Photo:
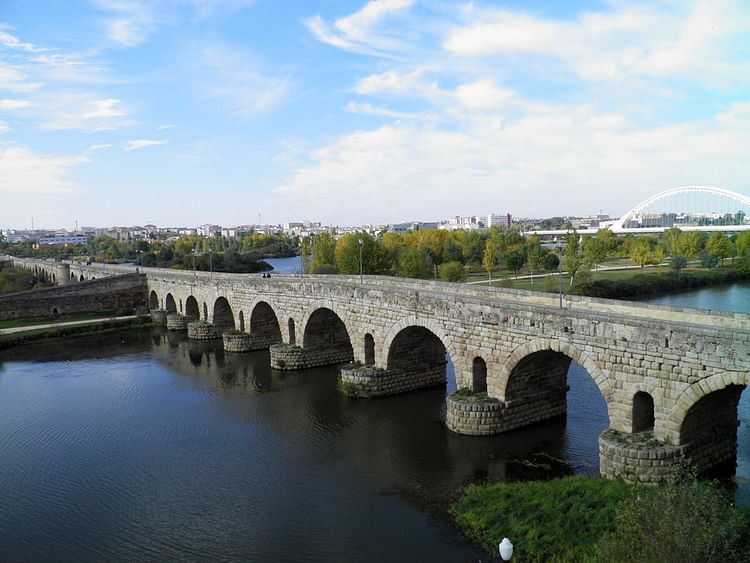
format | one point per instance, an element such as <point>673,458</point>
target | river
<point>142,445</point>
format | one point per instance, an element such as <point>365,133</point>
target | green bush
<point>678,522</point>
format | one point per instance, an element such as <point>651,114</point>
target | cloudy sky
<point>182,112</point>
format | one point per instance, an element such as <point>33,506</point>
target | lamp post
<point>506,549</point>
<point>559,268</point>
<point>361,245</point>
<point>210,264</point>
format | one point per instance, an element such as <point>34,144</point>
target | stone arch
<point>369,349</point>
<point>692,395</point>
<point>191,308</point>
<point>264,324</point>
<point>643,412</point>
<point>478,375</point>
<point>325,329</point>
<point>205,311</point>
<point>72,276</point>
<point>429,324</point>
<point>223,317</point>
<point>418,354</point>
<point>242,321</point>
<point>169,304</point>
<point>81,278</point>
<point>292,332</point>
<point>153,300</point>
<point>497,386</point>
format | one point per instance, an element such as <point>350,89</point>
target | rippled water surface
<point>143,446</point>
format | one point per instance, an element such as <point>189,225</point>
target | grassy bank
<point>30,321</point>
<point>583,519</point>
<point>26,337</point>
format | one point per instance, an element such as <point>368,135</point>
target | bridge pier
<point>637,458</point>
<point>201,330</point>
<point>292,357</point>
<point>370,382</point>
<point>177,322</point>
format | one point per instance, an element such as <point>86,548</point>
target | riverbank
<point>27,334</point>
<point>584,519</point>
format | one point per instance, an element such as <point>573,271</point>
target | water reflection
<point>147,445</point>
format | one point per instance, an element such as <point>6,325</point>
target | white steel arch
<point>619,226</point>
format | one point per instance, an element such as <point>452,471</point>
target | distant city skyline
<point>183,112</point>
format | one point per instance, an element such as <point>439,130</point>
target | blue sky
<point>182,112</point>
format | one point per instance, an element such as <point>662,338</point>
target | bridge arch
<point>735,197</point>
<point>498,385</point>
<point>426,323</point>
<point>170,304</point>
<point>671,433</point>
<point>153,300</point>
<point>223,317</point>
<point>324,327</point>
<point>264,324</point>
<point>191,308</point>
<point>478,375</point>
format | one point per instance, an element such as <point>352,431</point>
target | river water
<point>141,445</point>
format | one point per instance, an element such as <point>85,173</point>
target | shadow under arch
<point>325,329</point>
<point>170,304</point>
<point>223,317</point>
<point>430,325</point>
<point>192,311</point>
<point>707,422</point>
<point>153,300</point>
<point>264,325</point>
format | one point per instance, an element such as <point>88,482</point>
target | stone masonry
<point>678,357</point>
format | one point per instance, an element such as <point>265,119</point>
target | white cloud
<point>165,126</point>
<point>13,80</point>
<point>573,161</point>
<point>624,42</point>
<point>358,31</point>
<point>10,105</point>
<point>483,95</point>
<point>27,172</point>
<point>12,42</point>
<point>77,111</point>
<point>236,81</point>
<point>99,147</point>
<point>369,109</point>
<point>4,127</point>
<point>138,144</point>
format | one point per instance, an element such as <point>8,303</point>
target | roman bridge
<point>671,378</point>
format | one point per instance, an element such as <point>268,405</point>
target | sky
<point>185,112</point>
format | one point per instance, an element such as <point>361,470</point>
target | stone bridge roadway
<point>671,377</point>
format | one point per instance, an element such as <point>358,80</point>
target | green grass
<point>30,321</point>
<point>26,337</point>
<point>560,520</point>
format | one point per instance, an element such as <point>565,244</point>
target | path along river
<point>141,445</point>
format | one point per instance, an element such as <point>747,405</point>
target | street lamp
<point>210,265</point>
<point>361,245</point>
<point>506,549</point>
<point>559,268</point>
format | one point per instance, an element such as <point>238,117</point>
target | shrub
<point>680,521</point>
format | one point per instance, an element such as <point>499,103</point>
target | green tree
<point>595,250</point>
<point>323,254</point>
<point>720,246</point>
<point>452,272</point>
<point>689,244</point>
<point>641,252</point>
<point>573,257</point>
<point>515,260</point>
<point>742,243</point>
<point>489,259</point>
<point>534,256</point>
<point>412,264</point>
<point>347,255</point>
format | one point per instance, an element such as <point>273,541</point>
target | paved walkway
<point>65,323</point>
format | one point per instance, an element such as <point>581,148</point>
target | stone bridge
<point>671,377</point>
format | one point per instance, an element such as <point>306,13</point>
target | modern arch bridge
<point>671,377</point>
<point>690,208</point>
